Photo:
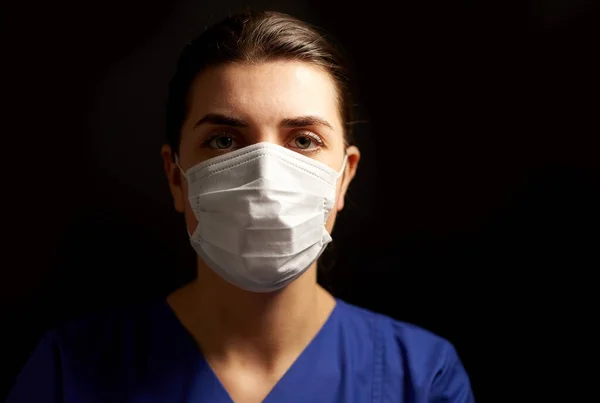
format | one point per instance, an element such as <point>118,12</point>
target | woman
<point>259,160</point>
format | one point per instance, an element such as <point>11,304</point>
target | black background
<point>474,213</point>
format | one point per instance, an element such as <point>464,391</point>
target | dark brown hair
<point>252,38</point>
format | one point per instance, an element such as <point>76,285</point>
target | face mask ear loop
<point>341,171</point>
<point>179,166</point>
<point>185,176</point>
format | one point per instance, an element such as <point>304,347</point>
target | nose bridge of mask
<point>339,173</point>
<point>266,161</point>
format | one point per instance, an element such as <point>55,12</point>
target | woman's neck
<point>230,323</point>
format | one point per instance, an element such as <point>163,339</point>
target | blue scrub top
<point>144,354</point>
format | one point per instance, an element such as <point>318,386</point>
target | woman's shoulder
<point>106,339</point>
<point>82,351</point>
<point>112,323</point>
<point>380,325</point>
<point>427,363</point>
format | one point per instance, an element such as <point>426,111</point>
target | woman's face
<point>292,104</point>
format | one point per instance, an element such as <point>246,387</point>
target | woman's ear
<point>353,154</point>
<point>174,176</point>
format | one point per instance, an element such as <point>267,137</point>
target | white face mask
<point>261,214</point>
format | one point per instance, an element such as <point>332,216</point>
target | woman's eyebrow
<point>225,120</point>
<point>302,121</point>
<point>219,119</point>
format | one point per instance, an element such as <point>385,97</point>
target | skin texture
<point>251,339</point>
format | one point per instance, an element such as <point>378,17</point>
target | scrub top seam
<point>377,361</point>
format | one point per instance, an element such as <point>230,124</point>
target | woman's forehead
<point>264,92</point>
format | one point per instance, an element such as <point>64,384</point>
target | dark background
<point>474,213</point>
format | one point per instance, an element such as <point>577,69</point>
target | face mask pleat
<point>284,237</point>
<point>257,203</point>
<point>261,274</point>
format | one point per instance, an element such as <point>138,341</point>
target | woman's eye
<point>306,142</point>
<point>303,142</point>
<point>221,142</point>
